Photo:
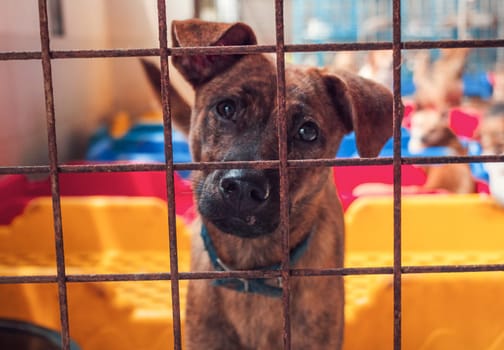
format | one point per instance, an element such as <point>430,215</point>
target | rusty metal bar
<point>108,53</point>
<point>453,268</point>
<point>20,55</point>
<point>28,279</point>
<point>398,112</point>
<point>197,8</point>
<point>166,276</point>
<point>34,169</point>
<point>222,50</point>
<point>54,177</point>
<point>451,44</point>
<point>453,159</point>
<point>170,182</point>
<point>268,164</point>
<point>283,164</point>
<point>283,169</point>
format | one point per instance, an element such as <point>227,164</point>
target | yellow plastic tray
<point>439,311</point>
<point>129,235</point>
<point>101,235</point>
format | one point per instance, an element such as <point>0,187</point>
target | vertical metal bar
<point>53,172</point>
<point>197,8</point>
<point>283,170</point>
<point>170,182</point>
<point>398,110</point>
<point>56,15</point>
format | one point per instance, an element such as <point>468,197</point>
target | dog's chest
<point>257,319</point>
<point>315,324</point>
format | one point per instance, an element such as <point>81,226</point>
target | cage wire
<point>375,22</point>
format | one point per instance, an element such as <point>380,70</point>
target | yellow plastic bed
<point>129,235</point>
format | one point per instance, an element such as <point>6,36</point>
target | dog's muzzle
<point>245,202</point>
<point>245,191</point>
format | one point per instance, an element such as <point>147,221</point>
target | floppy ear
<point>198,69</point>
<point>365,107</point>
<point>180,109</point>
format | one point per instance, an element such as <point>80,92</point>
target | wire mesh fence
<point>395,38</point>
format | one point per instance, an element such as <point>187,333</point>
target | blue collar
<point>251,285</point>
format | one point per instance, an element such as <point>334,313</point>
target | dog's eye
<point>226,109</point>
<point>308,132</point>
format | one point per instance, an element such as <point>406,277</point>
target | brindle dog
<point>234,118</point>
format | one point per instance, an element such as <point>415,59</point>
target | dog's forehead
<point>303,85</point>
<point>304,88</point>
<point>253,74</point>
<point>253,81</point>
<point>257,73</point>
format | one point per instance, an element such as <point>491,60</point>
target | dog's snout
<point>232,187</point>
<point>244,191</point>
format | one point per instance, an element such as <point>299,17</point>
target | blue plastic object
<point>348,149</point>
<point>144,142</point>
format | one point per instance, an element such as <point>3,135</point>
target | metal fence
<point>54,169</point>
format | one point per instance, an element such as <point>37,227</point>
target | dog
<point>491,135</point>
<point>235,118</point>
<point>430,128</point>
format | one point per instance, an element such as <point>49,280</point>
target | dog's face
<point>492,135</point>
<point>429,128</point>
<point>235,118</point>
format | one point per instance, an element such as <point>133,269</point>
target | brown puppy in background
<point>235,118</point>
<point>430,128</point>
<point>491,134</point>
<point>439,87</point>
<point>491,130</point>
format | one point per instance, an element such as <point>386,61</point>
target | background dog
<point>430,128</point>
<point>491,133</point>
<point>439,87</point>
<point>235,118</point>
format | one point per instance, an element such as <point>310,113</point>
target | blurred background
<point>89,92</point>
<point>116,222</point>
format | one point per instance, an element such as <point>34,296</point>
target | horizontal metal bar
<point>453,159</point>
<point>111,167</point>
<point>452,269</point>
<point>162,276</point>
<point>269,164</point>
<point>344,271</point>
<point>104,53</point>
<point>20,55</point>
<point>451,44</point>
<point>251,49</point>
<point>122,277</point>
<point>354,46</point>
<point>28,279</point>
<point>31,169</point>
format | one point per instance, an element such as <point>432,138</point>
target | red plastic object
<point>463,122</point>
<point>17,190</point>
<point>347,178</point>
<point>409,108</point>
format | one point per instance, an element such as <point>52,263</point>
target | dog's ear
<point>180,109</point>
<point>365,107</point>
<point>198,69</point>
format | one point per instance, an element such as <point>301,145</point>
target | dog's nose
<point>244,190</point>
